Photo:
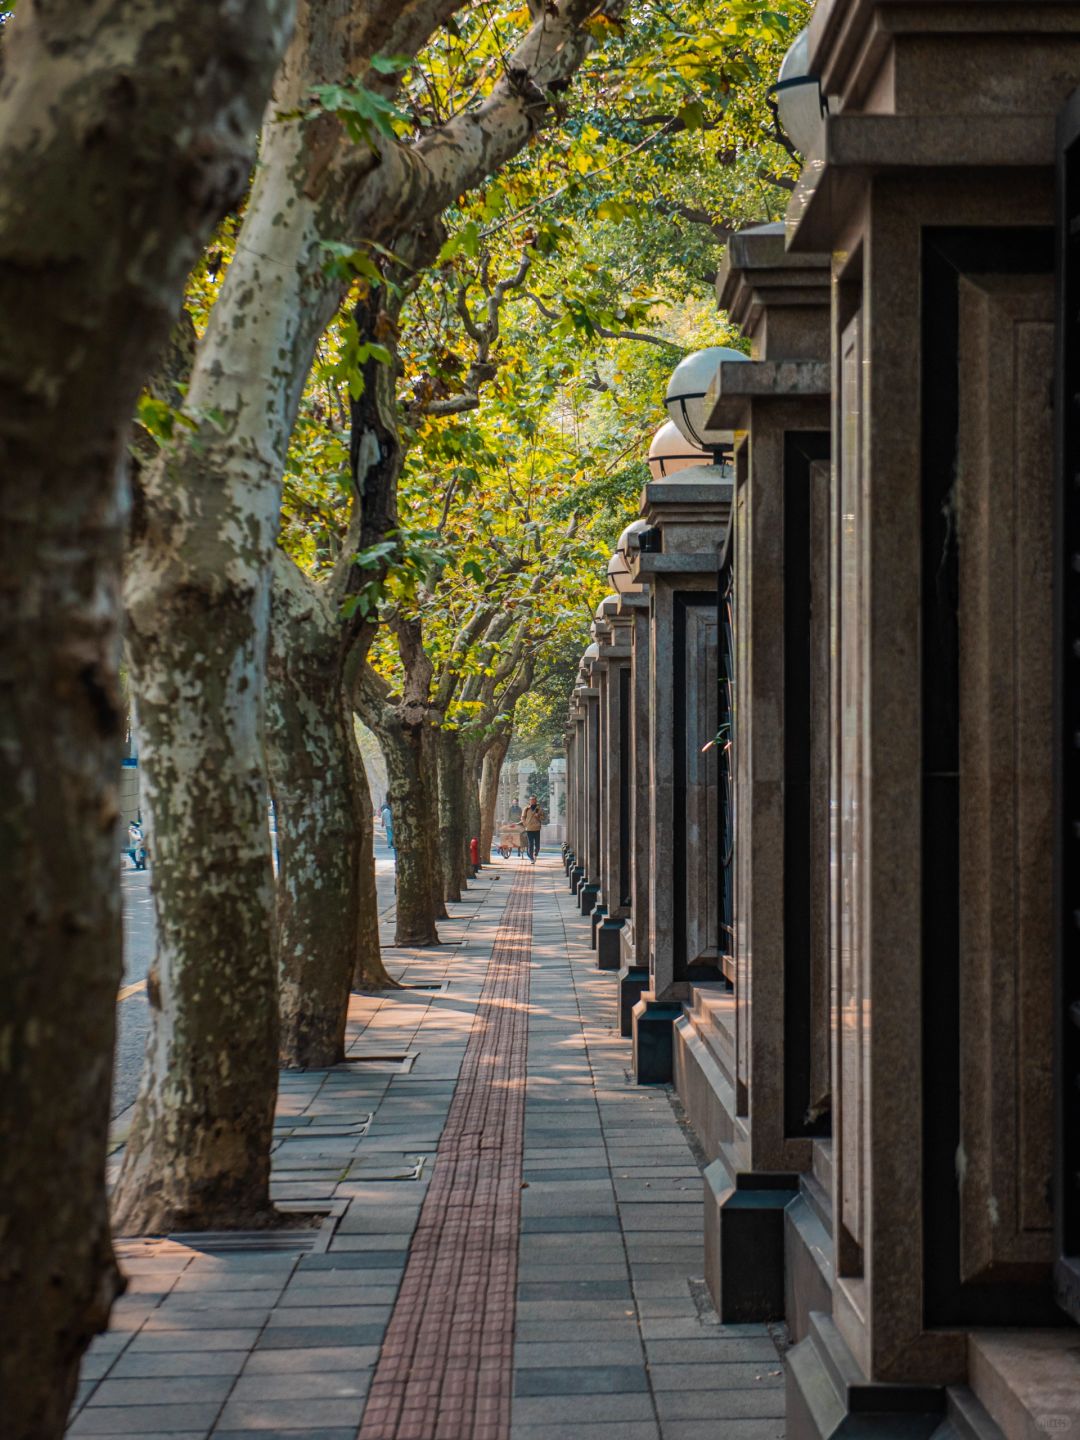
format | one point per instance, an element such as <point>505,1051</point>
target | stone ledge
<point>1027,1380</point>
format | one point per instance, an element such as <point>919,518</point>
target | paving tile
<point>233,1281</point>
<point>162,1391</point>
<point>744,1375</point>
<point>290,1414</point>
<point>581,1380</point>
<point>570,1290</point>
<point>760,1403</point>
<point>685,1352</point>
<point>692,1328</point>
<point>218,1300</point>
<point>567,1328</point>
<point>145,1420</point>
<point>581,1409</point>
<point>302,1385</point>
<point>580,1310</point>
<point>300,1337</point>
<point>94,1366</point>
<point>585,1222</point>
<point>207,1317</point>
<point>343,1432</point>
<point>543,1270</point>
<point>172,1434</point>
<point>722,1429</point>
<point>324,1314</point>
<point>175,1341</point>
<point>571,1354</point>
<point>134,1365</point>
<point>311,1360</point>
<point>337,1295</point>
<point>571,1430</point>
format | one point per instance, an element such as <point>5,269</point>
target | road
<point>133,1016</point>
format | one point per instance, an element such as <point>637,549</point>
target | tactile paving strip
<point>445,1371</point>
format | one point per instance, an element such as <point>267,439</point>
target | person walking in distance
<point>532,817</point>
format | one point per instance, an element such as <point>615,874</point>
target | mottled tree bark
<point>323,805</point>
<point>369,973</point>
<point>430,825</point>
<point>470,767</point>
<point>399,728</point>
<point>124,135</point>
<point>309,742</point>
<point>451,784</point>
<point>490,773</point>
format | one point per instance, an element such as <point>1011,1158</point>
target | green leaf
<point>466,241</point>
<point>391,64</point>
<point>345,261</point>
<point>692,115</point>
<point>373,351</point>
<point>362,111</point>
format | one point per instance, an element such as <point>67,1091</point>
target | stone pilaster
<point>749,1052</point>
<point>634,957</point>
<point>615,826</point>
<point>687,515</point>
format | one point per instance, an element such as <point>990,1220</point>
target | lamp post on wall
<point>685,401</point>
<point>670,452</point>
<point>799,108</point>
<point>622,582</point>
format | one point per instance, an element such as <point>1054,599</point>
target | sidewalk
<point>515,1246</point>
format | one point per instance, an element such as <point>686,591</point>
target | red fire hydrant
<point>474,852</point>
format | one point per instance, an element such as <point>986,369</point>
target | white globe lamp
<point>800,107</point>
<point>685,399</point>
<point>669,452</point>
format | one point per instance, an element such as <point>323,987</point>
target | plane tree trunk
<point>490,773</point>
<point>399,728</point>
<point>452,841</point>
<point>470,766</point>
<point>308,748</point>
<point>369,972</point>
<point>123,138</point>
<point>327,907</point>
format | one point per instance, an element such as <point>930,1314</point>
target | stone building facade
<point>824,753</point>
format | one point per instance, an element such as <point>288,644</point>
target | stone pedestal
<point>633,982</point>
<point>652,1026</point>
<point>598,913</point>
<point>744,1241</point>
<point>607,943</point>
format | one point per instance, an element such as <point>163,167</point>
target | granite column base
<point>633,982</point>
<point>596,915</point>
<point>577,879</point>
<point>828,1396</point>
<point>744,1243</point>
<point>653,1031</point>
<point>608,948</point>
<point>587,896</point>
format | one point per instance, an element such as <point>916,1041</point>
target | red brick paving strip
<point>445,1371</point>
